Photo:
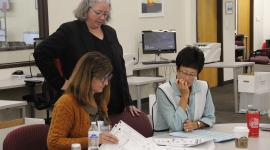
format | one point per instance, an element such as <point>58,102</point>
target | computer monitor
<point>156,42</point>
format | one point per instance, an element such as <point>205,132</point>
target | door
<point>245,23</point>
<point>207,32</point>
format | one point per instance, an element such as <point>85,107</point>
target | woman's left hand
<point>134,111</point>
<point>189,126</point>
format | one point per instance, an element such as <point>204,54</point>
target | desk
<point>139,81</point>
<point>236,66</point>
<point>16,82</point>
<point>13,82</point>
<point>260,143</point>
<point>8,104</point>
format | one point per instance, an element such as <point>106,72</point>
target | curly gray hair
<point>81,11</point>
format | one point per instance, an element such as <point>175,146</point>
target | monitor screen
<point>155,42</point>
<point>28,37</point>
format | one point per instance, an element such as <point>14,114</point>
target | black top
<point>69,43</point>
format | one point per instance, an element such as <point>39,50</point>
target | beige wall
<point>179,15</point>
<point>21,17</point>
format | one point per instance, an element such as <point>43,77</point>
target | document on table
<point>180,142</point>
<point>265,127</point>
<point>205,146</point>
<point>216,136</point>
<point>129,139</point>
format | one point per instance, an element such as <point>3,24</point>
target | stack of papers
<point>129,139</point>
<point>180,142</point>
<point>216,136</point>
<point>265,127</point>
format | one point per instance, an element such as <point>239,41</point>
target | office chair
<point>140,123</point>
<point>48,95</point>
<point>31,137</point>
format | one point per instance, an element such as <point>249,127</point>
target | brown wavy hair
<point>90,65</point>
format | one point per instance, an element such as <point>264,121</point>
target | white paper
<point>129,139</point>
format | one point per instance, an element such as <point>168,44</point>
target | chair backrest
<point>31,137</point>
<point>140,123</point>
<point>152,108</point>
<point>267,43</point>
<point>264,45</point>
<point>239,39</point>
<point>130,59</point>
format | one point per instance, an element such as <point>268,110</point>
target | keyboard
<point>156,62</point>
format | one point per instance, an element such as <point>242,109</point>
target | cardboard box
<point>259,82</point>
<point>260,101</point>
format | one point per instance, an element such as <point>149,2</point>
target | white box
<point>257,83</point>
<point>259,101</point>
<point>211,51</point>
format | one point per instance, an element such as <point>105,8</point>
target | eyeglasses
<point>99,13</point>
<point>191,75</point>
<point>108,77</point>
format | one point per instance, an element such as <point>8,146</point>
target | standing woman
<point>84,101</point>
<point>73,39</point>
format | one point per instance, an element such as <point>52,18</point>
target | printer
<point>211,51</point>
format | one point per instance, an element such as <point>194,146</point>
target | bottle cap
<point>93,123</point>
<point>76,146</point>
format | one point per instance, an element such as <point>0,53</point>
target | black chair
<point>40,101</point>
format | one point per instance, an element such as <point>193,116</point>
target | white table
<point>237,67</point>
<point>140,81</point>
<point>8,104</point>
<point>259,143</point>
<point>14,82</point>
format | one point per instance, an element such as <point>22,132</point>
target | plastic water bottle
<point>76,146</point>
<point>93,137</point>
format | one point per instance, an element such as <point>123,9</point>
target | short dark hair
<point>191,57</point>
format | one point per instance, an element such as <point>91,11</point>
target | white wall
<point>179,15</point>
<point>261,22</point>
<point>266,18</point>
<point>228,40</point>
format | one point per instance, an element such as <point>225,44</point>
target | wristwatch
<point>199,123</point>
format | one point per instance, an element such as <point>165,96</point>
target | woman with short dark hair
<point>185,103</point>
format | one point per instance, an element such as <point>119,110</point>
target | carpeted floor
<point>224,103</point>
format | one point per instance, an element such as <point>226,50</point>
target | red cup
<point>253,122</point>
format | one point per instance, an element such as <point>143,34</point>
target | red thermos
<point>253,122</point>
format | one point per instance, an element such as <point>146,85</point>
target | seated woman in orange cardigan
<point>85,100</point>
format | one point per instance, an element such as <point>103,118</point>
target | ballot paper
<point>205,146</point>
<point>216,136</point>
<point>129,139</point>
<point>180,142</point>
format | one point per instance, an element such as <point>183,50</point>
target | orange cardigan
<point>69,124</point>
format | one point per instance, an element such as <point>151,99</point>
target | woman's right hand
<point>182,87</point>
<point>106,137</point>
